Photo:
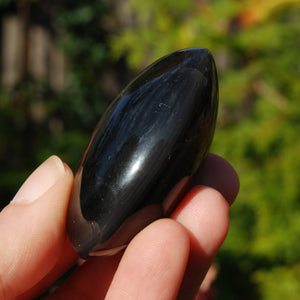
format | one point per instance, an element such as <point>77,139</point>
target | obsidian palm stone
<point>142,154</point>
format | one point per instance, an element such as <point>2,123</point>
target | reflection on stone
<point>141,155</point>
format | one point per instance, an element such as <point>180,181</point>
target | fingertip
<point>163,240</point>
<point>165,234</point>
<point>217,173</point>
<point>163,250</point>
<point>41,180</point>
<point>204,212</point>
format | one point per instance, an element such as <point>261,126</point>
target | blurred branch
<point>23,8</point>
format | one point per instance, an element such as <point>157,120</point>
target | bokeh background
<point>63,62</point>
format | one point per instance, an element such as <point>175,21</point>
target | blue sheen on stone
<point>142,154</point>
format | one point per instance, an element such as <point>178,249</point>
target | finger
<point>162,250</point>
<point>32,228</point>
<point>217,173</point>
<point>204,213</point>
<point>152,267</point>
<point>91,280</point>
<point>64,263</point>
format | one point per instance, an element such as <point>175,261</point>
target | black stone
<point>142,154</point>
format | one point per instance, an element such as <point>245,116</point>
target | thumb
<point>32,228</point>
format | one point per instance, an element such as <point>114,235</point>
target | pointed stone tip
<point>196,51</point>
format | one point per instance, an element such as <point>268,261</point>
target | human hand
<point>166,260</point>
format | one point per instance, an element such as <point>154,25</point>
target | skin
<point>166,260</point>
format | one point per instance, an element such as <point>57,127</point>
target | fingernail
<point>40,181</point>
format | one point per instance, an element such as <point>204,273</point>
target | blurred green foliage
<point>256,48</point>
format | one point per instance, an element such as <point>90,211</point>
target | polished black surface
<point>143,151</point>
